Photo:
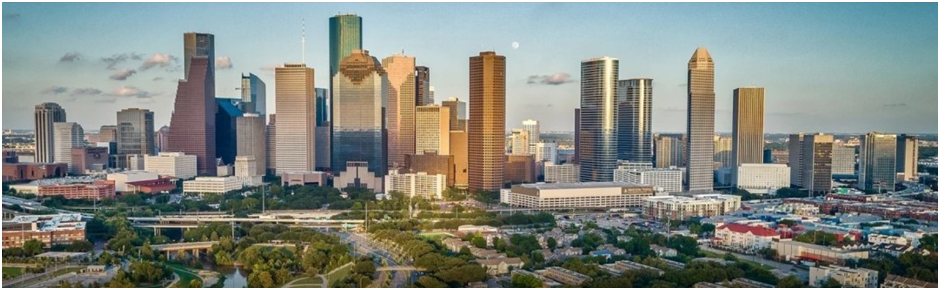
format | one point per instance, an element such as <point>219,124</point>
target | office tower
<point>722,152</point>
<point>346,35</point>
<point>487,124</point>
<point>253,95</point>
<point>458,109</point>
<point>400,107</point>
<point>226,132</point>
<point>250,129</point>
<point>561,173</point>
<point>795,157</point>
<point>323,107</point>
<point>877,166</point>
<point>844,160</point>
<point>545,152</point>
<point>89,158</point>
<point>431,92</point>
<point>578,127</point>
<point>65,136</point>
<point>748,127</point>
<point>598,143</point>
<point>432,130</point>
<point>431,163</point>
<point>422,86</point>
<point>635,102</point>
<point>532,126</point>
<point>297,117</point>
<point>175,164</point>
<point>193,121</point>
<point>670,151</point>
<point>459,151</point>
<point>907,157</point>
<point>161,139</point>
<point>135,131</point>
<point>322,153</point>
<point>812,155</point>
<point>109,133</point>
<point>519,168</point>
<point>47,114</point>
<point>358,117</point>
<point>519,142</point>
<point>766,156</point>
<point>271,145</point>
<point>700,121</point>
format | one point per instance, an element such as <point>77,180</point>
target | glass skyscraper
<point>635,100</point>
<point>253,95</point>
<point>877,164</point>
<point>700,121</point>
<point>598,143</point>
<point>358,114</point>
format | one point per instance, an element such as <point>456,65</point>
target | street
<point>364,245</point>
<point>783,267</point>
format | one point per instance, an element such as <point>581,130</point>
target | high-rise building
<point>65,136</point>
<point>561,173</point>
<point>669,151</point>
<point>432,130</point>
<point>459,151</point>
<point>425,185</point>
<point>662,179</point>
<point>423,93</point>
<point>322,152</point>
<point>430,163</point>
<point>813,156</point>
<point>545,151</point>
<point>877,165</point>
<point>193,121</point>
<point>635,102</point>
<point>253,95</point>
<point>844,160</point>
<point>250,129</point>
<point>487,124</point>
<point>359,117</point>
<point>906,157</point>
<point>226,131</point>
<point>795,157</point>
<point>532,126</point>
<point>598,144</point>
<point>748,127</point>
<point>47,114</point>
<point>700,121</point>
<point>519,169</point>
<point>346,35</point>
<point>161,139</point>
<point>89,158</point>
<point>323,107</point>
<point>109,133</point>
<point>722,152</point>
<point>400,107</point>
<point>578,134</point>
<point>271,145</point>
<point>175,164</point>
<point>135,131</point>
<point>519,142</point>
<point>760,178</point>
<point>458,115</point>
<point>295,103</point>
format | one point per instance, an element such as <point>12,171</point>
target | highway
<point>364,245</point>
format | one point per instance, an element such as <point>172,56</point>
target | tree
<point>768,253</point>
<point>525,281</point>
<point>364,267</point>
<point>831,283</point>
<point>32,247</point>
<point>929,242</point>
<point>430,282</point>
<point>551,243</point>
<point>790,282</point>
<point>479,242</point>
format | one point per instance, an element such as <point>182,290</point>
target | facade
<point>193,121</point>
<point>246,167</point>
<point>429,186</point>
<point>271,145</point>
<point>519,142</point>
<point>358,117</point>
<point>459,151</point>
<point>432,130</point>
<point>346,35</point>
<point>532,126</point>
<point>487,123</point>
<point>98,190</point>
<point>663,208</point>
<point>750,239</point>
<point>815,162</point>
<point>662,179</point>
<point>253,95</point>
<point>174,164</point>
<point>136,131</point>
<point>722,152</point>
<point>458,113</point>
<point>250,129</point>
<point>49,229</point>
<point>848,277</point>
<point>700,121</point>
<point>213,185</point>
<point>578,134</point>
<point>65,137</point>
<point>358,174</point>
<point>844,160</point>
<point>545,152</point>
<point>519,169</point>
<point>432,164</point>
<point>226,129</point>
<point>877,162</point>
<point>598,131</point>
<point>295,103</point>
<point>635,103</point>
<point>309,178</point>
<point>424,92</point>
<point>758,178</point>
<point>670,151</point>
<point>400,87</point>
<point>109,133</point>
<point>122,179</point>
<point>161,139</point>
<point>906,157</point>
<point>564,276</point>
<point>45,116</point>
<point>748,127</point>
<point>790,250</point>
<point>89,158</point>
<point>561,173</point>
<point>585,195</point>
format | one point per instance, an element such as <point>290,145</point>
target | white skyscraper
<point>64,137</point>
<point>295,104</point>
<point>532,126</point>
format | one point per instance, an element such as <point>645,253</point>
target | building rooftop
<point>52,222</point>
<point>756,230</point>
<point>580,185</point>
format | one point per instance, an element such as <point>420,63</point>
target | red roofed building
<point>153,186</point>
<point>745,238</point>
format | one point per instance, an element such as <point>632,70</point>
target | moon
<point>515,45</point>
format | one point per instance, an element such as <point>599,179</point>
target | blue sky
<point>826,67</point>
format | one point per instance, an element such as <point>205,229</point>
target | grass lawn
<point>186,275</point>
<point>338,274</point>
<point>12,272</point>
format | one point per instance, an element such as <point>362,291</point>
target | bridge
<point>188,222</point>
<point>400,268</point>
<point>182,247</point>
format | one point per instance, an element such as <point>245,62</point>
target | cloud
<point>554,79</point>
<point>123,74</point>
<point>116,59</point>
<point>130,91</point>
<point>158,60</point>
<point>70,57</point>
<point>85,91</point>
<point>223,63</point>
<point>55,90</point>
<point>897,104</point>
<point>157,78</point>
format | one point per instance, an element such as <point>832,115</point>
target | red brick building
<point>13,172</point>
<point>98,190</point>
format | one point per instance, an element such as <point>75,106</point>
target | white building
<point>420,184</point>
<point>679,208</point>
<point>532,126</point>
<point>548,152</point>
<point>135,162</point>
<point>887,239</point>
<point>748,238</point>
<point>662,179</point>
<point>246,167</point>
<point>758,178</point>
<point>213,185</point>
<point>564,173</point>
<point>588,195</point>
<point>121,179</point>
<point>64,137</point>
<point>358,171</point>
<point>175,164</point>
<point>848,277</point>
<point>519,142</point>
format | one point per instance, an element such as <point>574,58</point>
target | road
<point>364,245</point>
<point>783,267</point>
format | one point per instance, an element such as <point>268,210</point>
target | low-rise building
<point>563,253</point>
<point>848,277</point>
<point>680,208</point>
<point>760,178</point>
<point>564,276</point>
<point>306,178</point>
<point>790,250</point>
<point>668,180</point>
<point>894,281</point>
<point>25,171</point>
<point>560,173</point>
<point>174,164</point>
<point>589,195</point>
<point>620,267</point>
<point>887,239</point>
<point>496,267</point>
<point>746,238</point>
<point>546,282</point>
<point>749,283</point>
<point>662,251</point>
<point>455,244</point>
<point>121,179</point>
<point>154,186</point>
<point>97,190</point>
<point>49,229</point>
<point>213,185</point>
<point>429,186</point>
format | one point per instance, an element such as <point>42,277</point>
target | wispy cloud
<point>130,91</point>
<point>123,74</point>
<point>85,91</point>
<point>70,57</point>
<point>157,79</point>
<point>55,90</point>
<point>158,60</point>
<point>223,63</point>
<point>554,79</point>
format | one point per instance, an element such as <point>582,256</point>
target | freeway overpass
<point>194,247</point>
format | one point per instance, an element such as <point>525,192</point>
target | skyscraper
<point>400,107</point>
<point>877,164</point>
<point>795,157</point>
<point>226,131</point>
<point>136,131</point>
<point>161,139</point>
<point>487,124</point>
<point>635,101</point>
<point>47,114</point>
<point>423,93</point>
<point>670,151</point>
<point>748,127</point>
<point>193,121</point>
<point>812,155</point>
<point>598,143</point>
<point>323,107</point>
<point>359,117</point>
<point>578,134</point>
<point>844,160</point>
<point>251,139</point>
<point>432,130</point>
<point>906,157</point>
<point>295,103</point>
<point>109,133</point>
<point>520,141</point>
<point>722,152</point>
<point>322,152</point>
<point>458,109</point>
<point>700,121</point>
<point>67,135</point>
<point>253,96</point>
<point>532,126</point>
<point>346,35</point>
<point>271,145</point>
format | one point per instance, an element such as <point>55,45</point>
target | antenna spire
<point>303,41</point>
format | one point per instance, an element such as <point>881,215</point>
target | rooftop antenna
<point>303,41</point>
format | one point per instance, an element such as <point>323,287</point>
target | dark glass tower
<point>635,99</point>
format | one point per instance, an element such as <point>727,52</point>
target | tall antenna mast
<point>303,41</point>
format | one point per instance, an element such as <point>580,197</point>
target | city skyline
<point>541,74</point>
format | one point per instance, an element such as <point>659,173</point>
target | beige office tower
<point>135,131</point>
<point>877,164</point>
<point>252,141</point>
<point>400,107</point>
<point>487,124</point>
<point>66,136</point>
<point>844,160</point>
<point>459,151</point>
<point>700,121</point>
<point>295,103</point>
<point>669,150</point>
<point>722,147</point>
<point>748,127</point>
<point>532,126</point>
<point>458,109</point>
<point>795,157</point>
<point>47,114</point>
<point>271,147</point>
<point>816,163</point>
<point>432,130</point>
<point>906,157</point>
<point>519,139</point>
<point>109,133</point>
